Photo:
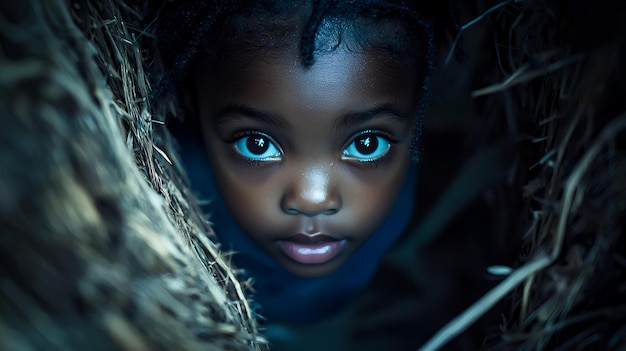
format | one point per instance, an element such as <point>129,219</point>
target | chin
<point>311,270</point>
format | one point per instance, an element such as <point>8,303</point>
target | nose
<point>312,192</point>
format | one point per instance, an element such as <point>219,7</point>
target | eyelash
<point>375,163</point>
<point>369,164</point>
<point>247,161</point>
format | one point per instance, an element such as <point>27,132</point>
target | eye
<point>367,147</point>
<point>258,146</point>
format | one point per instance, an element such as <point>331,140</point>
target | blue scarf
<point>282,296</point>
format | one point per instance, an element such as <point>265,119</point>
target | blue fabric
<point>282,296</point>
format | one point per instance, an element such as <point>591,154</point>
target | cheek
<point>246,201</point>
<point>372,201</point>
<point>248,205</point>
<point>240,195</point>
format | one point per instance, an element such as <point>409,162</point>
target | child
<point>301,125</point>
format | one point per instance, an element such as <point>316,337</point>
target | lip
<point>311,249</point>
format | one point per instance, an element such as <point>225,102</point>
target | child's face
<point>309,160</point>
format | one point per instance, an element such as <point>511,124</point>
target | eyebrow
<point>351,119</point>
<point>242,111</point>
<point>385,111</point>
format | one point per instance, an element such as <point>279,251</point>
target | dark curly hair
<point>188,29</point>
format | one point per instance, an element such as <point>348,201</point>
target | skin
<point>311,185</point>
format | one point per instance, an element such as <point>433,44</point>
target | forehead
<point>339,81</point>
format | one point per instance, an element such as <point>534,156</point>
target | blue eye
<point>257,146</point>
<point>367,147</point>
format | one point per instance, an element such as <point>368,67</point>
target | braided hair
<point>188,29</point>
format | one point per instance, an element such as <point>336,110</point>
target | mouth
<point>311,249</point>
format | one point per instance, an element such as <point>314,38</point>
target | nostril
<point>311,194</point>
<point>292,211</point>
<point>314,212</point>
<point>331,211</point>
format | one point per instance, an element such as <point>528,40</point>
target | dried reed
<point>569,290</point>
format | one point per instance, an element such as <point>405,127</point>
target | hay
<point>103,247</point>
<point>99,246</point>
<point>569,290</point>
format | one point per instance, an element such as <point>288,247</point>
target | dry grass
<point>95,214</point>
<point>569,289</point>
<point>100,245</point>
